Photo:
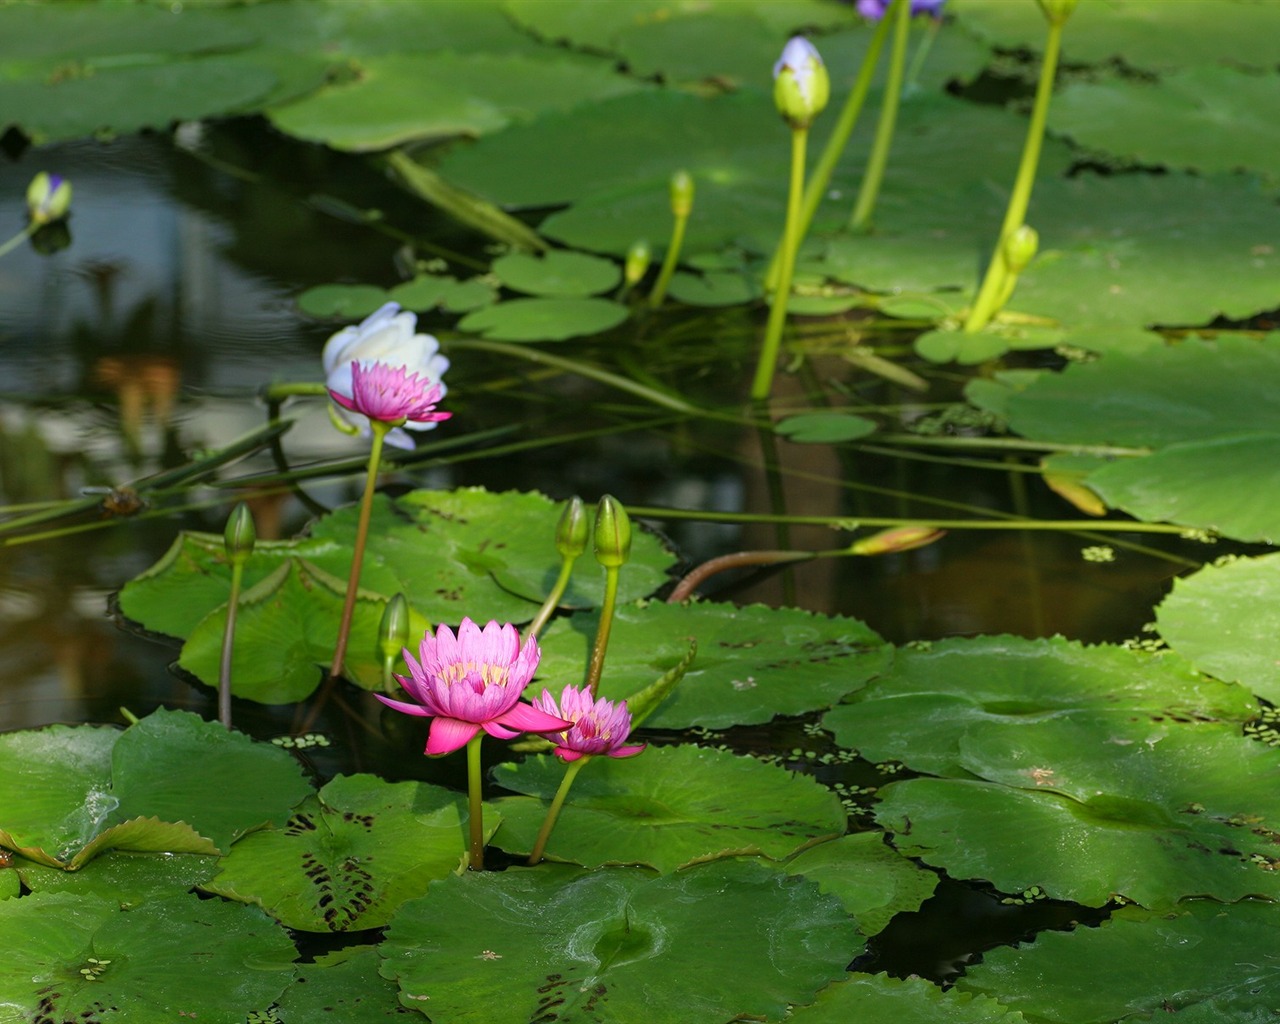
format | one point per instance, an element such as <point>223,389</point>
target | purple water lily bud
<point>875,9</point>
<point>801,86</point>
<point>48,198</point>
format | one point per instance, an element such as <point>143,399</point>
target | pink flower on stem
<point>471,682</point>
<point>598,726</point>
<point>391,394</point>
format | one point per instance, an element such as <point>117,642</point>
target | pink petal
<point>628,751</point>
<point>494,729</point>
<point>449,734</point>
<point>565,754</point>
<point>527,718</point>
<point>399,705</point>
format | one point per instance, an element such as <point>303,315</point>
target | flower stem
<point>553,812</point>
<point>879,157</point>
<point>475,816</point>
<point>986,304</point>
<point>762,384</point>
<point>228,644</point>
<point>17,239</point>
<point>601,645</point>
<point>357,554</point>
<point>553,599</point>
<point>669,261</point>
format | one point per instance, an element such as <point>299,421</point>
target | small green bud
<point>48,198</point>
<point>571,531</point>
<point>612,534</point>
<point>801,86</point>
<point>393,631</point>
<point>1057,11</point>
<point>637,264</point>
<point>240,535</point>
<point>892,541</point>
<point>682,193</point>
<point>1020,248</point>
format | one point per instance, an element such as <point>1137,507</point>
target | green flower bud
<point>48,198</point>
<point>1057,11</point>
<point>681,193</point>
<point>1020,248</point>
<point>571,531</point>
<point>240,535</point>
<point>892,541</point>
<point>612,534</point>
<point>637,264</point>
<point>393,631</point>
<point>801,87</point>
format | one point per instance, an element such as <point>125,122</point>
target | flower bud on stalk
<point>1057,11</point>
<point>571,531</point>
<point>1020,248</point>
<point>895,540</point>
<point>48,198</point>
<point>240,535</point>
<point>612,534</point>
<point>639,256</point>
<point>393,635</point>
<point>801,86</point>
<point>681,193</point>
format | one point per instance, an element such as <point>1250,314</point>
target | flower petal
<point>527,718</point>
<point>449,734</point>
<point>399,705</point>
<point>628,751</point>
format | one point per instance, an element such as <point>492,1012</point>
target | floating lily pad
<point>667,807</point>
<point>825,427</point>
<point>345,984</point>
<point>713,943</point>
<point>123,877</point>
<point>83,958</point>
<point>878,997</point>
<point>557,273</point>
<point>350,855</point>
<point>714,288</point>
<point>752,663</point>
<point>1201,964</point>
<point>544,319</point>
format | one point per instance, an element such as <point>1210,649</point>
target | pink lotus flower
<point>598,726</point>
<point>471,682</point>
<point>392,395</point>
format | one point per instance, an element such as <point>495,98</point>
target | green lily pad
<point>871,879</point>
<point>1225,620</point>
<point>86,958</point>
<point>1088,852</point>
<point>544,319</point>
<point>123,877</point>
<point>668,807</point>
<point>557,273</point>
<point>345,984</point>
<point>713,943</point>
<point>1201,963</point>
<point>825,427</point>
<point>752,663</point>
<point>348,301</point>
<point>878,997</point>
<point>714,288</point>
<point>349,856</point>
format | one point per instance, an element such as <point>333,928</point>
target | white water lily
<point>387,336</point>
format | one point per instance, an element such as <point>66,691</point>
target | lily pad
<point>713,943</point>
<point>878,997</point>
<point>668,807</point>
<point>752,664</point>
<point>123,877</point>
<point>544,319</point>
<point>557,273</point>
<point>349,856</point>
<point>714,288</point>
<point>825,427</point>
<point>345,984</point>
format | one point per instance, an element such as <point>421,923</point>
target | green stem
<point>692,580</point>
<point>380,431</point>
<point>596,666</point>
<point>293,389</point>
<point>475,815</point>
<point>669,261</point>
<point>17,239</point>
<point>985,305</point>
<point>228,644</point>
<point>879,158</point>
<point>762,384</point>
<point>552,601</point>
<point>553,812</point>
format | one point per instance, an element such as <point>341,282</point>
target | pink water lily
<point>392,395</point>
<point>598,726</point>
<point>473,681</point>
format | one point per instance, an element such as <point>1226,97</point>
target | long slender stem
<point>763,381</point>
<point>985,305</point>
<point>552,601</point>
<point>553,812</point>
<point>596,666</point>
<point>380,431</point>
<point>669,261</point>
<point>693,579</point>
<point>17,239</point>
<point>878,160</point>
<point>228,644</point>
<point>475,815</point>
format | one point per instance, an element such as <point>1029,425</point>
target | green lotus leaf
<point>544,319</point>
<point>880,998</point>
<point>825,427</point>
<point>10,883</point>
<point>1088,852</point>
<point>348,301</point>
<point>871,879</point>
<point>715,942</point>
<point>1223,619</point>
<point>346,984</point>
<point>752,663</point>
<point>667,807</point>
<point>1200,963</point>
<point>83,958</point>
<point>715,288</point>
<point>123,877</point>
<point>557,273</point>
<point>350,855</point>
<point>919,711</point>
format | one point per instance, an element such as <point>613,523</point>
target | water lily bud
<point>241,534</point>
<point>571,531</point>
<point>800,83</point>
<point>612,534</point>
<point>1020,248</point>
<point>1057,11</point>
<point>895,540</point>
<point>48,198</point>
<point>637,264</point>
<point>681,193</point>
<point>393,631</point>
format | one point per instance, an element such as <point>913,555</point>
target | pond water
<point>148,338</point>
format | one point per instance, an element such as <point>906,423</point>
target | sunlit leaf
<point>880,998</point>
<point>542,319</point>
<point>557,273</point>
<point>825,427</point>
<point>346,984</point>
